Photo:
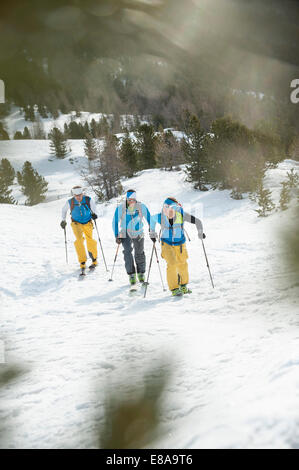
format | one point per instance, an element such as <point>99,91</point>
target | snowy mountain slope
<point>16,121</point>
<point>233,349</point>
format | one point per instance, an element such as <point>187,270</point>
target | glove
<point>118,240</point>
<point>94,216</point>
<point>63,224</point>
<point>201,235</point>
<point>153,236</point>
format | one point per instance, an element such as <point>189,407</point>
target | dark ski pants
<point>138,245</point>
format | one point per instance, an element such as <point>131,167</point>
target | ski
<point>138,288</point>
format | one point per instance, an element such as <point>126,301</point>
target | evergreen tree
<point>146,147</point>
<point>18,135</point>
<point>66,131</point>
<point>195,151</point>
<point>3,133</point>
<point>289,189</point>
<point>285,196</point>
<point>293,179</point>
<point>263,198</point>
<point>238,156</point>
<point>33,185</point>
<point>26,133</point>
<point>74,130</point>
<point>7,171</point>
<point>58,143</point>
<point>29,113</point>
<point>42,111</point>
<point>90,147</point>
<point>5,192</point>
<point>86,129</point>
<point>94,128</point>
<point>128,155</point>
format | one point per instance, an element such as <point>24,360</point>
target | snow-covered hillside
<point>233,349</point>
<point>16,121</point>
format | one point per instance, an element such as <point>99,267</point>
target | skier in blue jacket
<point>128,230</point>
<point>173,243</point>
<point>82,209</point>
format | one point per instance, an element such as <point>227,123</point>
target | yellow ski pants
<point>81,231</point>
<point>177,266</point>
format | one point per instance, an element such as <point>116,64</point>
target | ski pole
<point>187,235</point>
<point>65,242</point>
<point>101,246</point>
<point>149,269</point>
<point>159,268</point>
<point>207,263</point>
<point>114,263</point>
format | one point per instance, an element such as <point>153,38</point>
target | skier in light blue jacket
<point>128,230</point>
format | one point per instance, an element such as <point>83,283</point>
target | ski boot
<point>185,290</point>
<point>141,278</point>
<point>132,279</point>
<point>82,268</point>
<point>176,292</point>
<point>93,265</point>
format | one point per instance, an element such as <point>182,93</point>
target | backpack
<point>86,204</point>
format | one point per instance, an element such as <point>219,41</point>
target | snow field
<point>233,350</point>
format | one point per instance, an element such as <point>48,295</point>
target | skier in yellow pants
<point>177,266</point>
<point>83,210</point>
<point>171,219</point>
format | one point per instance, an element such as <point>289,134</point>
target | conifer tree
<point>94,128</point>
<point>58,143</point>
<point>90,147</point>
<point>263,198</point>
<point>293,179</point>
<point>5,192</point>
<point>146,146</point>
<point>66,131</point>
<point>26,133</point>
<point>128,155</point>
<point>195,150</point>
<point>18,135</point>
<point>33,185</point>
<point>7,171</point>
<point>285,196</point>
<point>42,111</point>
<point>86,129</point>
<point>289,189</point>
<point>3,133</point>
<point>29,113</point>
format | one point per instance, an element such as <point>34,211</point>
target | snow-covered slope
<point>16,121</point>
<point>233,349</point>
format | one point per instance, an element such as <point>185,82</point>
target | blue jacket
<point>130,222</point>
<point>171,234</point>
<point>81,211</point>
